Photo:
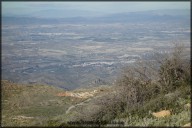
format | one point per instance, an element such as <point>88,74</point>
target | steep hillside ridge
<point>36,105</point>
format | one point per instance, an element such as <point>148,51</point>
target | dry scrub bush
<point>136,85</point>
<point>175,70</point>
<point>103,108</point>
<point>89,112</point>
<point>145,80</point>
<point>110,106</point>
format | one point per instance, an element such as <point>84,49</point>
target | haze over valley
<point>79,52</point>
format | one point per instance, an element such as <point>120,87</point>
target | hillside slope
<point>37,105</point>
<point>40,105</point>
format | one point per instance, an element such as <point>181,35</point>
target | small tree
<point>174,69</point>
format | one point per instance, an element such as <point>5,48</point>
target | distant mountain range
<point>57,13</point>
<point>57,16</point>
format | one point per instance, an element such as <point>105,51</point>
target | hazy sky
<point>107,7</point>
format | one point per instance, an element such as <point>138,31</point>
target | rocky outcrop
<point>78,95</point>
<point>162,113</point>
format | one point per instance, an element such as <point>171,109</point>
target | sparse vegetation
<point>146,87</point>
